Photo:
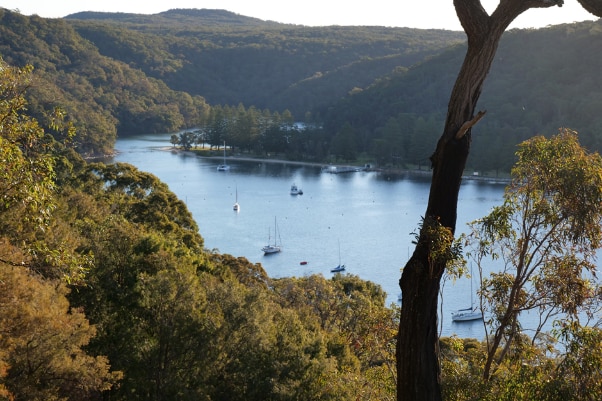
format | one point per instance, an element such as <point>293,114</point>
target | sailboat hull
<point>269,249</point>
<point>339,268</point>
<point>466,315</point>
<point>272,248</point>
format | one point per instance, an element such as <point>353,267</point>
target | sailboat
<point>224,166</point>
<point>275,247</point>
<point>468,314</point>
<point>340,267</point>
<point>236,206</point>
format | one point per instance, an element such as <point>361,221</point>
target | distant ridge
<point>192,17</point>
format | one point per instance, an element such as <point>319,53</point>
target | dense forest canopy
<point>117,74</point>
<point>154,74</point>
<point>106,292</point>
<point>540,80</point>
<point>269,65</point>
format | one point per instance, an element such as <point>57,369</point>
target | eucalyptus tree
<point>545,236</point>
<point>417,342</point>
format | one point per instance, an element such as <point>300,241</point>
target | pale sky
<point>422,14</point>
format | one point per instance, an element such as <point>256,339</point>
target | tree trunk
<point>418,370</point>
<point>417,341</point>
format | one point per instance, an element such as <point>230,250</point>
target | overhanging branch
<point>592,6</point>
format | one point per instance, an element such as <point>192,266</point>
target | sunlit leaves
<point>562,182</point>
<point>545,235</point>
<point>43,340</point>
<point>26,178</point>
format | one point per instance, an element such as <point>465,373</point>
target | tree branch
<point>472,16</point>
<point>469,124</point>
<point>11,263</point>
<point>592,6</point>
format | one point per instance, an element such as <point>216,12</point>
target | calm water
<point>372,216</point>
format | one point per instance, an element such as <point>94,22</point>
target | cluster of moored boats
<point>276,246</point>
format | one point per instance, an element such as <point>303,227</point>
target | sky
<point>423,14</point>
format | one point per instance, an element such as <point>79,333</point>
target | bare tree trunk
<point>418,370</point>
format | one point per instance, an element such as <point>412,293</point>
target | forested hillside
<point>541,80</point>
<point>116,74</point>
<point>230,59</point>
<point>106,292</point>
<point>102,96</point>
<point>372,94</point>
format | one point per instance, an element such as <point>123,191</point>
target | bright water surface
<point>371,215</point>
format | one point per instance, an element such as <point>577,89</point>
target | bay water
<point>368,218</point>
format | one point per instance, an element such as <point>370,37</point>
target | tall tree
<point>418,369</point>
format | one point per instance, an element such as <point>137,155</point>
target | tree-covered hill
<point>230,59</point>
<point>177,18</point>
<point>541,80</point>
<point>107,293</point>
<point>379,93</point>
<point>102,96</point>
<point>116,74</point>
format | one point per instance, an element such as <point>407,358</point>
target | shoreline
<point>345,167</point>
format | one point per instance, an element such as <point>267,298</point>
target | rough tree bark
<point>417,342</point>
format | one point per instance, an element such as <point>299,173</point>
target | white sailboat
<point>236,206</point>
<point>340,267</point>
<point>468,314</point>
<point>275,247</point>
<point>224,166</point>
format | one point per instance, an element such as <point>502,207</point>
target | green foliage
<point>229,59</point>
<point>361,331</point>
<point>181,323</point>
<point>122,74</point>
<point>573,374</point>
<point>42,338</point>
<point>26,180</point>
<point>545,235</point>
<point>541,80</point>
<point>44,342</point>
<point>441,247</point>
<point>102,96</point>
<point>169,320</point>
<point>117,74</point>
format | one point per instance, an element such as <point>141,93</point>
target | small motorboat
<point>303,263</point>
<point>295,190</point>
